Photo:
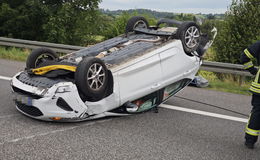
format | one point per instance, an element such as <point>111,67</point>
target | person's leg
<point>253,126</point>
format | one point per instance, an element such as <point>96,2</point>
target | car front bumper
<point>60,102</point>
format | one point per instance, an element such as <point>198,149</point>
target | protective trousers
<point>253,126</point>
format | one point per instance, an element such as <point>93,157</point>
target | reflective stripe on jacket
<point>252,132</point>
<point>248,63</point>
<point>248,54</point>
<point>255,86</point>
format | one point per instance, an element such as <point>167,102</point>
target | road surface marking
<point>5,78</point>
<point>10,115</point>
<point>185,110</point>
<point>54,132</point>
<point>41,134</point>
<point>221,116</point>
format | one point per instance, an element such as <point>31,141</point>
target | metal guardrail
<point>207,65</point>
<point>35,44</point>
<point>229,68</point>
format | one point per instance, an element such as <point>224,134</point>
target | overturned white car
<point>128,74</point>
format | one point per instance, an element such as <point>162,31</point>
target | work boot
<point>250,141</point>
<point>250,145</point>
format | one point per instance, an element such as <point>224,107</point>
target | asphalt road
<point>169,134</point>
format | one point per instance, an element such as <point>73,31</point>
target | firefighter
<point>253,126</point>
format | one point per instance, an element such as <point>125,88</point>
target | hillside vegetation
<point>81,22</point>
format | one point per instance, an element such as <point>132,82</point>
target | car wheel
<point>91,78</point>
<point>136,22</point>
<point>40,55</point>
<point>189,34</point>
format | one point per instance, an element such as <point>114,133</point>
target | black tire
<point>192,43</point>
<point>134,22</point>
<point>40,55</point>
<point>88,81</point>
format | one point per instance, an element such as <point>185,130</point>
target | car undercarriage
<point>128,74</point>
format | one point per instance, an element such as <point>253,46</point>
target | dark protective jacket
<point>247,57</point>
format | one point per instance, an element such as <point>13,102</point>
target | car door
<point>175,63</point>
<point>140,78</point>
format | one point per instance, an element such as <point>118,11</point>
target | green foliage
<point>158,15</point>
<point>59,21</point>
<point>229,86</point>
<point>239,30</point>
<point>70,26</point>
<point>182,17</point>
<point>113,22</point>
<point>226,84</point>
<point>14,53</point>
<point>207,26</point>
<point>114,26</point>
<point>76,22</point>
<point>21,20</point>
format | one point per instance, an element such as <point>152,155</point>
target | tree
<point>239,30</point>
<point>21,20</point>
<point>114,26</point>
<point>59,21</point>
<point>211,16</point>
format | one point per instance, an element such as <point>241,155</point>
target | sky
<point>176,6</point>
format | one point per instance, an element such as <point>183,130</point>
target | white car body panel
<point>139,79</point>
<point>133,79</point>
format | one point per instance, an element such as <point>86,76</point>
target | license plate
<point>23,99</point>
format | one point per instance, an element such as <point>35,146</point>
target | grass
<point>229,87</point>
<point>99,38</point>
<point>13,53</point>
<point>228,84</point>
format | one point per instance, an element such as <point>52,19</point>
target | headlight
<point>63,89</point>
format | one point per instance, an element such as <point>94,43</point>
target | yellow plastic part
<point>44,70</point>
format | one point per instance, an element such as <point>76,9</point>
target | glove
<point>253,70</point>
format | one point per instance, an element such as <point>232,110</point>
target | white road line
<point>221,116</point>
<point>41,134</point>
<point>5,78</point>
<point>10,115</point>
<point>186,110</point>
<point>53,132</point>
